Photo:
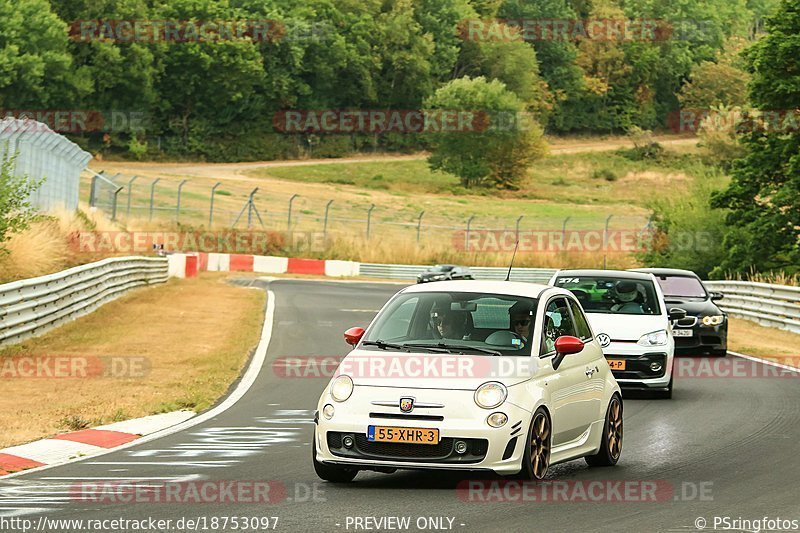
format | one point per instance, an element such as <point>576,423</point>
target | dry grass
<point>776,278</point>
<point>430,252</point>
<point>749,338</point>
<point>44,248</point>
<point>195,334</point>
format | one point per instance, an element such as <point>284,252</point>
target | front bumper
<point>492,449</point>
<point>637,373</point>
<point>704,339</point>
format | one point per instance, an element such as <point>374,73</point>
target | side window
<point>398,326</point>
<point>581,325</point>
<point>557,322</point>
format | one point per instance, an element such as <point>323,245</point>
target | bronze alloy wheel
<point>614,429</point>
<point>540,445</point>
<point>611,437</point>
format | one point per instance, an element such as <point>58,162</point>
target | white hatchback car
<point>633,325</point>
<point>494,376</point>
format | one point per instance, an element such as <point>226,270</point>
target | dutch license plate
<point>681,333</point>
<point>616,364</point>
<point>404,435</point>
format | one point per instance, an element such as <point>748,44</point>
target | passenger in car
<point>520,316</point>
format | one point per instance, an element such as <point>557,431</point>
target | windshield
<point>681,286</point>
<point>442,268</point>
<point>458,322</point>
<point>620,296</point>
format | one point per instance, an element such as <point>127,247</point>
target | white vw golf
<point>633,325</point>
<point>470,375</point>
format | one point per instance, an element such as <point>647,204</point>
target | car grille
<point>394,451</point>
<point>638,366</point>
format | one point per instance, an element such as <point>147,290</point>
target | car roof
<point>510,288</point>
<point>623,274</point>
<point>667,272</point>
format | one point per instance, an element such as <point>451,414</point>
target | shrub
<point>16,212</point>
<point>645,147</point>
<point>331,146</point>
<point>605,173</point>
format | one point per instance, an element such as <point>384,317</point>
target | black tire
<point>611,442</point>
<point>332,473</point>
<point>722,352</point>
<point>536,459</point>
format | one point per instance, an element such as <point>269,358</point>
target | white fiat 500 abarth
<point>470,375</point>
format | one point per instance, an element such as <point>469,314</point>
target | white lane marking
<point>242,387</point>
<point>188,477</point>
<point>764,361</point>
<point>22,497</point>
<point>363,281</point>
<point>13,511</point>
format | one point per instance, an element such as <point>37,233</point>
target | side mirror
<point>566,345</point>
<point>676,313</point>
<point>715,296</point>
<point>353,336</point>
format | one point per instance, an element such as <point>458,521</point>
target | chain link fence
<point>204,203</point>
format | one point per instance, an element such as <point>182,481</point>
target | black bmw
<point>705,328</point>
<point>443,273</point>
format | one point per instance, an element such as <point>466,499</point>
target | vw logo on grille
<point>604,340</point>
<point>406,404</point>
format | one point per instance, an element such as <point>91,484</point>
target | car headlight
<point>655,338</point>
<point>342,388</point>
<point>490,395</point>
<point>713,320</point>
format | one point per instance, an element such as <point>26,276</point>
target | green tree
<point>764,194</point>
<point>497,154</point>
<point>35,64</point>
<point>512,62</point>
<point>16,212</point>
<point>206,84</point>
<point>721,82</point>
<point>556,58</point>
<point>685,232</point>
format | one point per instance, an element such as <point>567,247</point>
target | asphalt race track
<point>723,447</point>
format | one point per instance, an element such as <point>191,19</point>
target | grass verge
<point>749,338</point>
<point>194,335</point>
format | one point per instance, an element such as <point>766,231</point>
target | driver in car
<point>627,297</point>
<point>520,319</point>
<point>449,325</point>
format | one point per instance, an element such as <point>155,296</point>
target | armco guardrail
<point>776,306</point>
<point>31,307</point>
<point>410,272</point>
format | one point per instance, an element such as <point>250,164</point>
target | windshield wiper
<point>459,347</point>
<point>385,345</point>
<point>429,347</point>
